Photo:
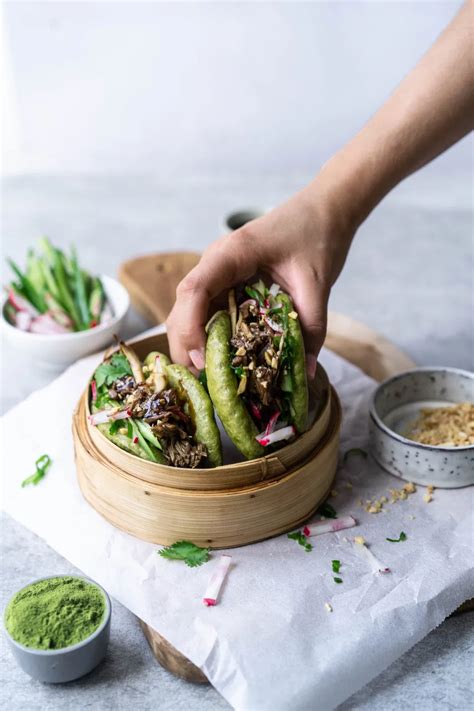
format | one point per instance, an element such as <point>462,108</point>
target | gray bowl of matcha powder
<point>58,627</point>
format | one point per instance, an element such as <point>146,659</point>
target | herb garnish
<point>115,426</point>
<point>203,378</point>
<point>336,566</point>
<point>301,539</point>
<point>42,465</point>
<point>187,551</point>
<point>116,367</point>
<point>338,580</point>
<point>255,294</point>
<point>327,510</point>
<point>402,537</point>
<point>354,450</point>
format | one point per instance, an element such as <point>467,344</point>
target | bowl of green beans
<point>56,312</point>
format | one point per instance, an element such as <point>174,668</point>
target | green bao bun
<point>197,405</point>
<point>222,384</point>
<point>200,410</point>
<point>299,395</point>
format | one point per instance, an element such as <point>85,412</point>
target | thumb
<point>310,298</point>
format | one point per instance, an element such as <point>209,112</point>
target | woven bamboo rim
<point>218,519</point>
<point>224,477</point>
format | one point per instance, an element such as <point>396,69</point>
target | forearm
<point>430,110</point>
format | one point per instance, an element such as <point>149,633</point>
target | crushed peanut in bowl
<point>451,426</point>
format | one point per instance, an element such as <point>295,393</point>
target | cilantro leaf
<point>116,367</point>
<point>338,580</point>
<point>336,566</point>
<point>354,450</point>
<point>184,550</point>
<point>42,465</point>
<point>203,378</point>
<point>402,537</point>
<point>254,294</point>
<point>327,510</point>
<point>301,539</point>
<point>115,426</point>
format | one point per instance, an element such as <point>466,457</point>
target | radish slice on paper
<point>277,436</point>
<point>21,304</point>
<point>23,320</point>
<point>47,326</point>
<point>217,578</point>
<point>274,289</point>
<point>372,560</point>
<point>330,526</point>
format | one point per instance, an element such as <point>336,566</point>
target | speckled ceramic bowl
<point>57,666</point>
<point>397,403</point>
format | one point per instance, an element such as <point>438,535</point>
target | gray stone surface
<point>409,275</point>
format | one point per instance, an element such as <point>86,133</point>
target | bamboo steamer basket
<point>226,506</point>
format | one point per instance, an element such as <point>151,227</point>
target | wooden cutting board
<point>151,281</point>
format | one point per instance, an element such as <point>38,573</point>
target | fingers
<point>310,297</point>
<point>229,260</point>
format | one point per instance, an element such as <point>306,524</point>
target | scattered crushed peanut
<point>328,606</point>
<point>427,498</point>
<point>334,492</point>
<point>430,489</point>
<point>375,506</point>
<point>348,485</point>
<point>451,426</point>
<point>360,540</point>
<point>293,315</point>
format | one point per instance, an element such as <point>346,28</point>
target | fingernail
<point>197,357</point>
<point>311,362</point>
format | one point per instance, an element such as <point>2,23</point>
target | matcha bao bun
<point>155,410</point>
<point>255,368</point>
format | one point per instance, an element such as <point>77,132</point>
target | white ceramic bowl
<point>396,403</point>
<point>58,351</point>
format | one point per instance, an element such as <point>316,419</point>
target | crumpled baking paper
<point>271,642</point>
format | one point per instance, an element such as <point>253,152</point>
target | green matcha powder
<point>55,613</point>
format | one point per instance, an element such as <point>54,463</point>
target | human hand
<point>301,245</point>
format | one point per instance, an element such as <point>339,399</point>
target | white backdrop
<point>202,88</point>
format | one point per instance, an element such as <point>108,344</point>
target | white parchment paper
<point>270,643</point>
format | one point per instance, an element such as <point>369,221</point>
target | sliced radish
<point>277,436</point>
<point>256,412</point>
<point>100,418</point>
<point>22,304</point>
<point>23,320</point>
<point>217,578</point>
<point>273,325</point>
<point>272,422</point>
<point>248,301</point>
<point>107,314</point>
<point>329,526</point>
<point>46,325</point>
<point>94,390</point>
